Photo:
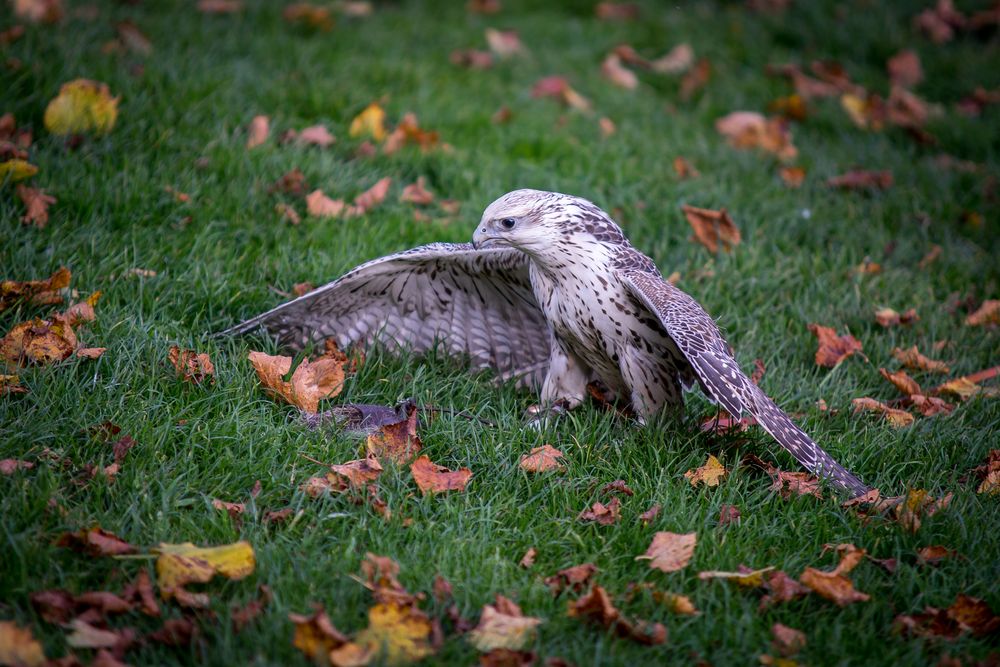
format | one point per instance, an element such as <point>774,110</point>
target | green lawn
<point>221,256</point>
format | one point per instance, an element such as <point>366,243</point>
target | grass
<point>219,256</point>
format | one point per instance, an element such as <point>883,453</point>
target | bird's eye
<point>508,223</point>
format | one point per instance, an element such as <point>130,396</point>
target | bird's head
<point>535,222</point>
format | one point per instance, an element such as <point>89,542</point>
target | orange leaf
<point>193,367</point>
<point>398,442</point>
<point>833,348</point>
<point>903,382</point>
<point>897,418</point>
<point>748,129</point>
<point>320,206</point>
<point>911,358</point>
<point>670,552</point>
<point>541,459</point>
<point>36,205</point>
<point>260,128</point>
<point>712,227</point>
<point>323,378</point>
<point>432,478</point>
<point>605,515</point>
<point>613,70</point>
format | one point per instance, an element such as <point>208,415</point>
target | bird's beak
<point>482,239</point>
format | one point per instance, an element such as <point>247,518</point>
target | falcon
<point>549,294</point>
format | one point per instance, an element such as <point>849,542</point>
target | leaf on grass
<point>749,129</point>
<point>684,169</point>
<point>369,123</point>
<point>833,348</point>
<point>504,43</point>
<point>16,170</point>
<point>409,133</point>
<point>36,204</point>
<point>315,635</point>
<point>308,15</point>
<point>793,177</point>
<point>650,514</point>
<point>432,478</point>
<point>896,418</point>
<point>930,406</point>
<point>528,559</point>
<point>85,635</point>
<point>311,382</point>
<point>573,578</point>
<point>319,205</point>
<point>182,564</point>
<point>832,586</point>
<point>697,78</point>
<point>369,199</point>
<point>934,554</point>
<point>917,504</point>
<point>82,106</point>
<point>247,614</point>
<point>95,542</point>
<point>596,607</point>
<point>557,88</point>
<point>787,641</point>
<point>709,474</point>
<point>617,486</point>
<point>987,313</point>
<point>904,69</point>
<point>191,366</point>
<point>40,292</point>
<point>602,514</point>
<point>396,635</point>
<point>911,358</point>
<point>616,11</point>
<point>18,646</point>
<point>314,135</point>
<point>965,615</point>
<point>903,382</point>
<point>472,58</point>
<point>173,632</point>
<point>220,6</point>
<point>260,128</point>
<point>675,61</point>
<point>541,459</point>
<point>10,466</point>
<point>503,626</point>
<point>398,442</point>
<point>141,591</point>
<point>670,552</point>
<point>613,70</point>
<point>887,317</point>
<point>781,588</point>
<point>359,472</point>
<point>728,514</point>
<point>417,193</point>
<point>862,180</point>
<point>712,228</point>
<point>744,577</point>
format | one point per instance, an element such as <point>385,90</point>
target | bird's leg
<point>565,385</point>
<point>652,383</point>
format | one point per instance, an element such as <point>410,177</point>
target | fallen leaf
<point>360,472</point>
<point>541,459</point>
<point>792,107</point>
<point>133,38</point>
<point>311,382</point>
<point>650,514</point>
<point>917,504</point>
<point>709,474</point>
<point>38,11</point>
<point>613,70</point>
<point>934,554</point>
<point>862,179</point>
<point>40,292</point>
<point>833,348</point>
<point>940,22</point>
<point>616,11</point>
<point>220,6</point>
<point>234,510</point>
<point>904,69</point>
<point>497,629</point>
<point>573,578</point>
<point>712,228</point>
<point>987,313</point>
<point>617,486</point>
<point>85,635</point>
<point>670,552</point>
<point>370,198</point>
<point>409,133</point>
<point>432,478</point>
<point>191,366</point>
<point>504,43</point>
<point>18,646</point>
<point>604,515</point>
<point>16,170</point>
<point>10,466</point>
<point>141,591</point>
<point>396,635</point>
<point>315,135</point>
<point>242,617</point>
<point>887,317</point>
<point>260,128</point>
<point>834,587</point>
<point>911,358</point>
<point>95,542</point>
<point>182,564</point>
<point>472,58</point>
<point>793,177</point>
<point>483,6</point>
<point>596,607</point>
<point>867,113</point>
<point>36,205</point>
<point>903,382</point>
<point>82,106</point>
<point>789,484</point>
<point>558,88</point>
<point>417,193</point>
<point>965,615</point>
<point>369,123</point>
<point>744,577</point>
<point>676,61</point>
<point>315,635</point>
<point>749,129</point>
<point>308,15</point>
<point>320,206</point>
<point>528,559</point>
<point>398,442</point>
<point>697,78</point>
<point>728,514</point>
<point>684,169</point>
<point>173,632</point>
<point>930,406</point>
<point>781,588</point>
<point>897,418</point>
<point>787,641</point>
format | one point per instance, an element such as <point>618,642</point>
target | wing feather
<point>702,344</point>
<point>475,302</point>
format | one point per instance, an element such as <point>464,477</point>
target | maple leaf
<point>573,578</point>
<point>182,564</point>
<point>558,88</point>
<point>503,626</point>
<point>396,635</point>
<point>41,292</point>
<point>369,123</point>
<point>36,205</point>
<point>260,128</point>
<point>320,206</point>
<point>504,43</point>
<point>322,378</point>
<point>911,358</point>
<point>596,607</point>
<point>709,474</point>
<point>670,552</point>
<point>370,198</point>
<point>917,504</point>
<point>987,313</point>
<point>82,106</point>
<point>541,459</point>
<point>315,635</point>
<point>19,647</point>
<point>744,577</point>
<point>833,348</point>
<point>897,418</point>
<point>862,179</point>
<point>38,341</point>
<point>194,367</point>
<point>432,478</point>
<point>965,615</point>
<point>398,442</point>
<point>95,542</point>
<point>749,129</point>
<point>781,588</point>
<point>417,193</point>
<point>359,472</point>
<point>604,515</point>
<point>712,228</point>
<point>613,70</point>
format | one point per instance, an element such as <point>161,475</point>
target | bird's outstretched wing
<point>472,302</point>
<point>699,339</point>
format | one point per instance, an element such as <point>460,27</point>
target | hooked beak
<point>482,239</point>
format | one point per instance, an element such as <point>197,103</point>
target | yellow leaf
<point>670,552</point>
<point>369,123</point>
<point>16,170</point>
<point>499,630</point>
<point>396,634</point>
<point>750,579</point>
<point>180,564</point>
<point>82,106</point>
<point>18,646</point>
<point>709,474</point>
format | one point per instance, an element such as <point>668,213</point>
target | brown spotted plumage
<point>552,293</point>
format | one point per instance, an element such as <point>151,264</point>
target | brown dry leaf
<point>697,78</point>
<point>903,382</point>
<point>320,206</point>
<point>613,70</point>
<point>558,88</point>
<point>930,257</point>
<point>409,133</point>
<point>11,384</point>
<point>10,466</point>
<point>369,123</point>
<point>369,199</point>
<point>670,552</point>
<point>417,193</point>
<point>359,472</point>
<point>472,58</point>
<point>749,129</point>
<point>616,11</point>
<point>95,542</point>
<point>500,628</point>
<point>38,341</point>
<point>709,474</point>
<point>934,554</point>
<point>541,459</point>
<point>38,11</point>
<point>287,212</point>
<point>141,591</point>
<point>504,43</point>
<point>432,478</point>
<point>679,59</point>
<point>483,6</point>
<point>292,183</point>
<point>315,135</point>
<point>833,348</point>
<point>194,367</point>
<point>792,107</point>
<point>573,578</point>
<point>18,646</point>
<point>963,388</point>
<point>398,442</point>
<point>82,106</point>
<point>607,126</point>
<point>781,588</point>
<point>396,635</point>
<point>832,586</point>
<point>728,514</point>
<point>315,635</point>
<point>244,616</point>
<point>260,128</point>
<point>133,38</point>
<point>966,614</point>
<point>712,228</point>
<point>787,641</point>
<point>182,564</point>
<point>744,577</point>
<point>528,559</point>
<point>650,514</point>
<point>917,504</point>
<point>602,514</point>
<point>790,484</point>
<point>41,292</point>
<point>308,16</point>
<point>85,635</point>
<point>322,378</point>
<point>36,205</point>
<point>887,317</point>
<point>234,510</point>
<point>793,177</point>
<point>596,607</point>
<point>987,313</point>
<point>617,486</point>
<point>220,6</point>
<point>904,69</point>
<point>862,179</point>
<point>911,358</point>
<point>897,418</point>
<point>930,406</point>
<point>684,169</point>
<point>940,22</point>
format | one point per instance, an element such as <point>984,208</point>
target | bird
<point>551,295</point>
